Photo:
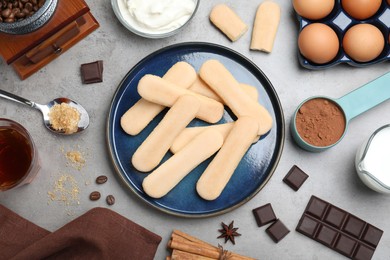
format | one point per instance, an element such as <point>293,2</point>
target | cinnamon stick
<point>181,255</point>
<point>195,248</point>
<point>183,242</point>
<point>191,238</point>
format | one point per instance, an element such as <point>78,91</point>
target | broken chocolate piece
<point>277,231</point>
<point>264,215</point>
<point>92,72</point>
<point>339,230</point>
<point>295,178</point>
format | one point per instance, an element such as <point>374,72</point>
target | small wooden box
<point>27,53</point>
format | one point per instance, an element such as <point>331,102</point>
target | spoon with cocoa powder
<point>320,122</point>
<point>61,115</point>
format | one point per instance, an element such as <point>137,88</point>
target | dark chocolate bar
<point>339,230</point>
<point>92,72</point>
<point>264,214</point>
<point>295,178</point>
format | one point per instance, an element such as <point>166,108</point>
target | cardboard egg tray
<point>340,21</point>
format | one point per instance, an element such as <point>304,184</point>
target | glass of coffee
<point>19,161</point>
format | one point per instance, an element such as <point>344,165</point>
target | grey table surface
<point>332,173</point>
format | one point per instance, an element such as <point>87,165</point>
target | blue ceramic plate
<point>254,170</point>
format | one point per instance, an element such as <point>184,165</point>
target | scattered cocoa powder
<point>320,122</point>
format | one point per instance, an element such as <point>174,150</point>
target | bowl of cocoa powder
<point>25,16</point>
<point>318,124</point>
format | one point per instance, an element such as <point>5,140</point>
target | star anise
<point>228,232</point>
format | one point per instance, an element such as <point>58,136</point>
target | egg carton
<point>340,21</point>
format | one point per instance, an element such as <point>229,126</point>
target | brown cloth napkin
<point>98,234</point>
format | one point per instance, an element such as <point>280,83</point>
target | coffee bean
<point>15,10</point>
<point>101,179</point>
<point>110,199</point>
<point>95,195</point>
<point>6,13</point>
<point>20,15</point>
<point>25,11</point>
<point>29,6</point>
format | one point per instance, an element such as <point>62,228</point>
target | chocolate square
<point>326,235</point>
<point>345,245</point>
<point>363,253</point>
<point>335,216</point>
<point>92,72</point>
<point>316,207</point>
<point>354,226</point>
<point>264,215</point>
<point>277,231</point>
<point>295,178</point>
<point>372,235</point>
<point>307,226</point>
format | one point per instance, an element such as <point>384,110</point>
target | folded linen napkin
<point>98,234</point>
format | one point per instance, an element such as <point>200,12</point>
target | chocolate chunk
<point>277,231</point>
<point>339,230</point>
<point>264,215</point>
<point>295,178</point>
<point>92,72</point>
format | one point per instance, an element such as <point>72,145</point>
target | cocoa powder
<point>320,122</point>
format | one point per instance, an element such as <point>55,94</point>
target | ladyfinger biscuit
<point>251,91</point>
<point>170,173</point>
<point>228,22</point>
<point>200,87</point>
<point>189,133</point>
<point>218,173</point>
<point>265,26</point>
<point>155,146</point>
<point>160,91</point>
<point>143,111</point>
<point>226,86</point>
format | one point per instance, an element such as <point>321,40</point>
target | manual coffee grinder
<point>31,43</point>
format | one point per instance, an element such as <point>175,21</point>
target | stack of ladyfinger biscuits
<point>190,95</point>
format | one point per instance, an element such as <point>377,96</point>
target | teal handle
<point>365,97</point>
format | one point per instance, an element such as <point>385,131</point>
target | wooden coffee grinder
<point>27,53</point>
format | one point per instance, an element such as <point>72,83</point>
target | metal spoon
<point>45,109</point>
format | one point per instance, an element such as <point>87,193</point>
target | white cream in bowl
<point>156,16</point>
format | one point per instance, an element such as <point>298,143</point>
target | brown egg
<point>361,9</point>
<point>318,43</point>
<point>363,42</point>
<point>313,9</point>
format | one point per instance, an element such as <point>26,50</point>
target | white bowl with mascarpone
<point>154,18</point>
